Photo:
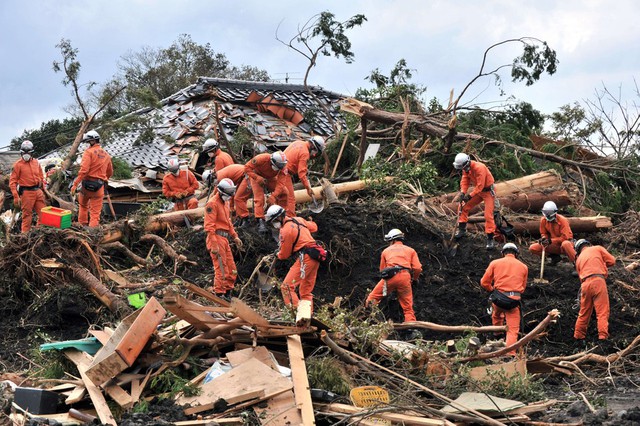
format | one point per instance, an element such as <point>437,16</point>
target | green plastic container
<point>137,300</point>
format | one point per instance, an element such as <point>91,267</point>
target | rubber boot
<point>242,222</point>
<point>555,259</point>
<point>491,244</point>
<point>462,230</point>
<point>262,226</point>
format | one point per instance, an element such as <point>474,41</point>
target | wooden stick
<point>344,143</point>
<point>450,328</point>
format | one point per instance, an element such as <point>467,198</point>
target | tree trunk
<point>586,225</point>
<point>524,202</point>
<point>96,287</point>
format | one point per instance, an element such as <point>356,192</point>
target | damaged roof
<point>274,114</point>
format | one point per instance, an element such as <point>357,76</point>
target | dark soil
<point>448,293</point>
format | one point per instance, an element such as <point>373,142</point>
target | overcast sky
<point>442,41</point>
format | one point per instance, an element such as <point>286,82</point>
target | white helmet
<point>227,187</point>
<point>510,248</point>
<point>462,161</point>
<point>578,246</point>
<point>91,136</point>
<point>278,160</point>
<point>317,143</point>
<point>273,212</point>
<point>174,166</point>
<point>210,145</point>
<point>26,146</point>
<point>394,234</point>
<point>549,210</point>
<point>208,177</point>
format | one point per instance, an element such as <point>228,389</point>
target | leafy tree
<point>51,135</point>
<point>161,72</point>
<point>323,35</point>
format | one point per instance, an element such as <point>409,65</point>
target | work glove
<point>310,192</point>
<point>238,242</point>
<point>465,198</point>
<point>214,250</point>
<point>17,202</point>
<point>545,241</point>
<point>73,190</point>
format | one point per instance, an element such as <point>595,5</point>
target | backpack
<point>504,230</point>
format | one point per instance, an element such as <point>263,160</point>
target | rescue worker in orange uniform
<point>296,240</point>
<point>298,155</point>
<point>94,174</point>
<point>180,186</point>
<point>399,269</point>
<point>476,173</point>
<point>26,185</point>
<point>264,172</point>
<point>556,234</point>
<point>591,264</point>
<point>221,159</point>
<point>506,278</point>
<point>219,229</point>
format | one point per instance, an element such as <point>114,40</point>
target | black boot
<point>241,222</point>
<point>462,230</point>
<point>262,226</point>
<point>491,244</point>
<point>555,259</point>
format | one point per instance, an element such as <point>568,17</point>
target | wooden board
<point>102,336</point>
<point>244,311</point>
<point>301,387</point>
<point>483,403</point>
<point>249,376</point>
<point>303,314</point>
<point>260,353</point>
<point>188,311</point>
<point>509,369</point>
<point>76,395</point>
<point>393,417</point>
<point>281,410</point>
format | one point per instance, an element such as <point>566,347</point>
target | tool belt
<point>92,185</point>
<point>392,271</point>
<point>489,188</point>
<point>21,188</point>
<point>503,301</point>
<point>222,233</point>
<point>593,276</point>
<point>315,252</point>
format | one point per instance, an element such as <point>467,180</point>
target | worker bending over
<point>180,186</point>
<point>220,158</point>
<point>591,264</point>
<point>298,154</point>
<point>26,185</point>
<point>506,279</point>
<point>476,173</point>
<point>399,268</point>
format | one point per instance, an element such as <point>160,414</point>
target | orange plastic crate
<point>55,217</point>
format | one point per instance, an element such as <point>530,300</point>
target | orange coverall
<point>298,156</point>
<point>559,234</point>
<point>482,179</point>
<point>304,271</point>
<point>96,165</point>
<point>591,265</point>
<point>398,254</point>
<point>185,185</point>
<point>261,175</point>
<point>28,174</point>
<point>218,226</point>
<point>222,160</point>
<point>235,172</point>
<point>506,275</point>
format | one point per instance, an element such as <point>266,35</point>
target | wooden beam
<point>392,417</point>
<point>301,387</point>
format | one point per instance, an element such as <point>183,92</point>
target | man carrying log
<point>476,173</point>
<point>26,185</point>
<point>399,269</point>
<point>556,235</point>
<point>265,173</point>
<point>95,170</point>
<point>219,229</point>
<point>298,154</point>
<point>180,186</point>
<point>220,158</point>
<point>296,240</point>
<point>591,264</point>
<point>506,279</point>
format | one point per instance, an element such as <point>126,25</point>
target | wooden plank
<point>303,314</point>
<point>246,396</point>
<point>260,353</point>
<point>102,336</point>
<point>140,331</point>
<point>76,395</point>
<point>206,294</point>
<point>119,395</point>
<point>233,421</point>
<point>98,400</point>
<point>509,369</point>
<point>106,369</point>
<point>187,310</point>
<point>244,311</point>
<point>300,380</point>
<point>250,375</point>
<point>393,417</point>
<point>281,410</point>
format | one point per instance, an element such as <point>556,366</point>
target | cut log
<point>96,287</point>
<point>450,328</point>
<point>585,225</point>
<point>526,201</point>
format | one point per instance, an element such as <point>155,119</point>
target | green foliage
<point>521,388</point>
<point>363,332</point>
<point>328,373</point>
<point>121,169</point>
<point>171,383</point>
<point>51,135</point>
<point>350,153</point>
<point>606,196</point>
<point>537,57</point>
<point>242,139</point>
<point>419,175</point>
<point>142,406</point>
<point>70,65</point>
<point>333,40</point>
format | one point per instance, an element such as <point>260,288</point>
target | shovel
<point>541,280</point>
<point>318,206</point>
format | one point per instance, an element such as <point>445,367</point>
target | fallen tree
<point>530,226</point>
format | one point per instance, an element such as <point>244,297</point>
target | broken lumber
<point>301,388</point>
<point>450,328</point>
<point>400,418</point>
